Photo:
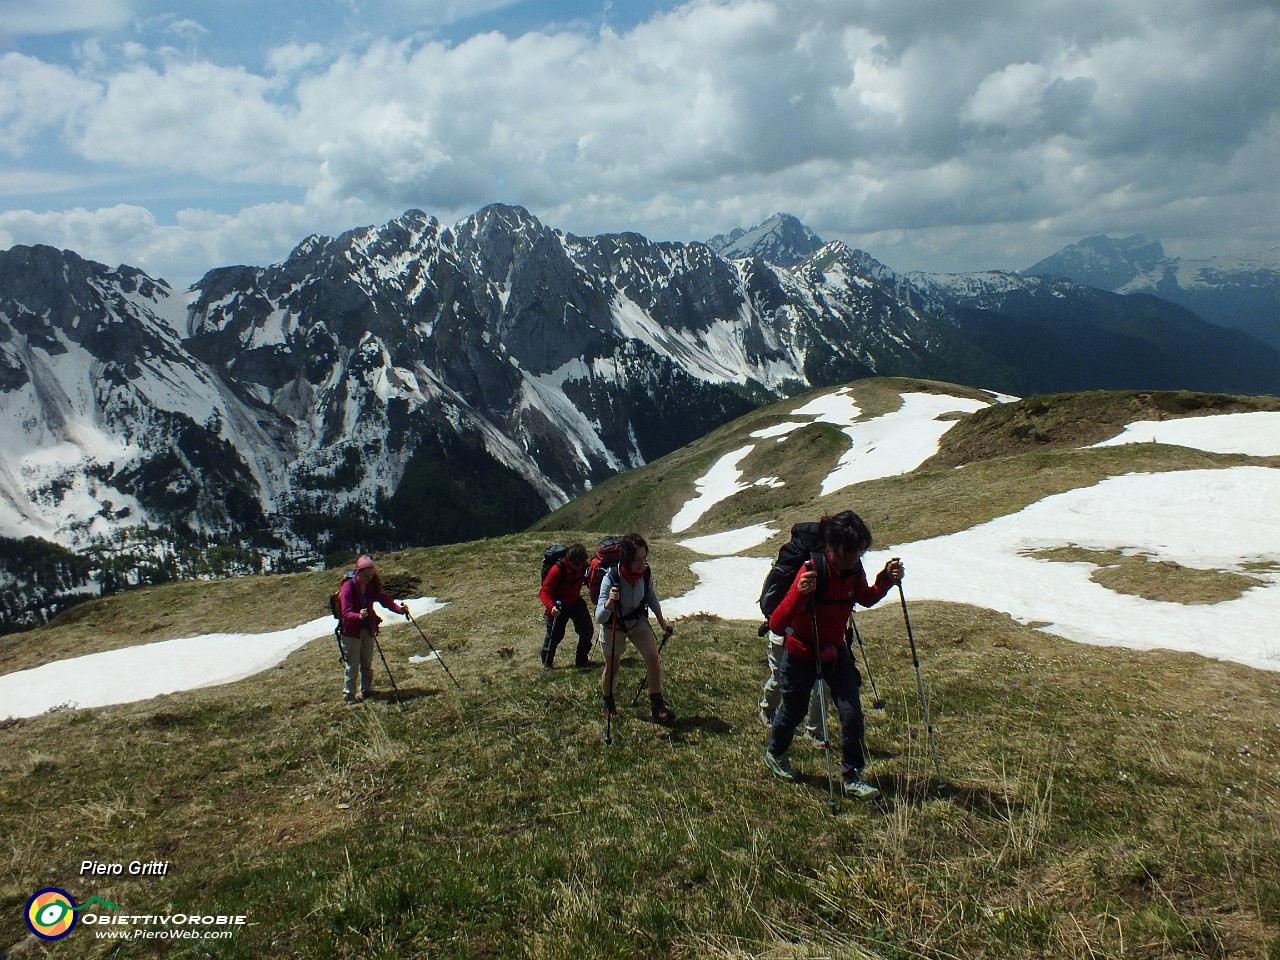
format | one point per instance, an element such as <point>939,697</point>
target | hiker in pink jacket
<point>360,626</point>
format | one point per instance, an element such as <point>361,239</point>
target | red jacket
<point>794,617</point>
<point>561,585</point>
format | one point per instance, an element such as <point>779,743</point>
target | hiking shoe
<point>610,709</point>
<point>763,714</point>
<point>859,789</point>
<point>351,699</point>
<point>661,712</point>
<point>780,767</point>
<point>582,663</point>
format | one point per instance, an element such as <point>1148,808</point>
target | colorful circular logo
<point>51,913</point>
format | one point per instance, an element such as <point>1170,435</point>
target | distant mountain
<point>781,240</point>
<point>1062,336</point>
<point>1243,293</point>
<point>416,383</point>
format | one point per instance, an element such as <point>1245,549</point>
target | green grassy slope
<point>1094,802</point>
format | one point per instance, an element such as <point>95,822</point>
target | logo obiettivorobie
<point>51,913</point>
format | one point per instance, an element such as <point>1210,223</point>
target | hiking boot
<point>351,699</point>
<point>780,767</point>
<point>858,788</point>
<point>815,737</point>
<point>583,663</point>
<point>661,712</point>
<point>610,709</point>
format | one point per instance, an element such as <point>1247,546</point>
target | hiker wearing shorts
<point>626,597</point>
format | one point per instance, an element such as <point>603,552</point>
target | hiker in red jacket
<point>561,597</point>
<point>846,538</point>
<point>360,626</point>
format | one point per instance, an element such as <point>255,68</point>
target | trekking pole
<point>924,701</point>
<point>394,689</point>
<point>609,661</point>
<point>822,700</point>
<point>337,636</point>
<point>551,620</point>
<point>666,635</point>
<point>853,622</point>
<point>434,651</point>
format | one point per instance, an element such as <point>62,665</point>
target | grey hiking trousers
<point>359,665</point>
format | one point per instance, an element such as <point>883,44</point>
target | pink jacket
<point>354,603</point>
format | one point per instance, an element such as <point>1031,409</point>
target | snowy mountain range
<point>419,383</point>
<point>1238,292</point>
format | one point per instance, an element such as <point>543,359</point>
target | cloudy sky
<point>936,135</point>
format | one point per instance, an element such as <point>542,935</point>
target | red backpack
<point>608,554</point>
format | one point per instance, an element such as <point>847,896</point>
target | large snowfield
<point>1226,520</point>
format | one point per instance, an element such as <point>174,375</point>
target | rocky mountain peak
<point>1107,263</point>
<point>781,239</point>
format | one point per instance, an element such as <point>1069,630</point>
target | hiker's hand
<point>404,608</point>
<point>668,629</point>
<point>613,597</point>
<point>808,581</point>
<point>895,570</point>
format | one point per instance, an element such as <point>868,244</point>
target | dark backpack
<point>550,557</point>
<point>335,598</point>
<point>805,544</point>
<point>608,554</point>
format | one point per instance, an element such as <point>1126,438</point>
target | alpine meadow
<point>646,480</point>
<point>1099,799</point>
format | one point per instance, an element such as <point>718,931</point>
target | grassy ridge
<point>1071,420</point>
<point>1095,802</point>
<point>1040,437</point>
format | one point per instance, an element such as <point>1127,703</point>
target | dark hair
<point>632,544</point>
<point>577,555</point>
<point>846,531</point>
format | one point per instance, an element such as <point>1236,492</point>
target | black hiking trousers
<point>583,625</point>
<point>796,676</point>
